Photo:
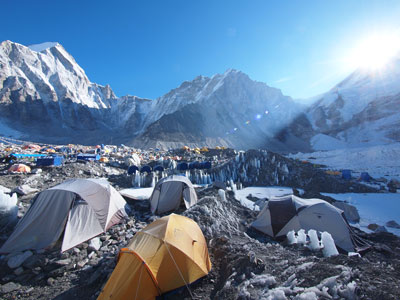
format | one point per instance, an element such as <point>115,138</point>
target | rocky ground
<point>245,263</point>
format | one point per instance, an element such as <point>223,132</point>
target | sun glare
<point>374,52</point>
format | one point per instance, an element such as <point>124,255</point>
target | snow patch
<point>137,194</point>
<point>43,46</point>
<point>325,142</point>
<point>260,193</point>
<point>376,208</point>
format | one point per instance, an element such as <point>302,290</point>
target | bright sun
<point>374,52</point>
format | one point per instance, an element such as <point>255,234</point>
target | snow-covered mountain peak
<point>43,46</point>
<point>359,89</point>
<point>48,72</point>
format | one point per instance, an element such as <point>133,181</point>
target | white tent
<point>169,193</point>
<point>81,208</point>
<point>283,214</point>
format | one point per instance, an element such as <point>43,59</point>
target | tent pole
<point>187,286</point>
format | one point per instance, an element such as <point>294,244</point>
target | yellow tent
<point>169,253</point>
<point>204,149</point>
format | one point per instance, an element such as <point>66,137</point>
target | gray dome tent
<point>169,193</point>
<point>283,214</point>
<point>82,208</point>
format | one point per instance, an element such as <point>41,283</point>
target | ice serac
<point>227,109</point>
<point>45,94</point>
<point>359,111</point>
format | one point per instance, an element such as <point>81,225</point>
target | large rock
<point>95,244</point>
<point>393,224</point>
<point>17,260</point>
<point>25,190</point>
<point>350,211</point>
<point>9,287</point>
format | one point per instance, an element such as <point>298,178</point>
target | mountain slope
<point>45,94</point>
<point>359,111</point>
<point>227,109</point>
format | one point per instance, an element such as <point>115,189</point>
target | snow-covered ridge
<point>42,46</point>
<point>50,75</point>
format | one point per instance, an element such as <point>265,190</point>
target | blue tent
<point>50,161</point>
<point>158,168</point>
<point>88,157</point>
<point>346,174</point>
<point>194,165</point>
<point>132,169</point>
<point>21,155</point>
<point>206,165</point>
<point>182,166</point>
<point>365,177</point>
<point>145,169</point>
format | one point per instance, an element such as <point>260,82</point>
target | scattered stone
<point>82,263</point>
<point>32,262</point>
<point>104,248</point>
<point>106,243</point>
<point>25,190</point>
<point>19,271</point>
<point>63,262</point>
<point>105,237</point>
<point>373,226</point>
<point>50,281</point>
<point>131,224</point>
<point>17,260</point>
<point>76,250</point>
<point>381,229</point>
<point>37,171</point>
<point>393,224</point>
<point>95,244</point>
<point>9,287</point>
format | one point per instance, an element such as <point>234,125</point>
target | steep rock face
<point>227,109</point>
<point>359,111</point>
<point>44,93</point>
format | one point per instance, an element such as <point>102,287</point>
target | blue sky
<point>147,48</point>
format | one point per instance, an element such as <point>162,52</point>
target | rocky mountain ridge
<point>45,96</point>
<point>356,112</point>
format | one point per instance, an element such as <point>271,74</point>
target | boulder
<point>393,224</point>
<point>19,271</point>
<point>17,260</point>
<point>9,287</point>
<point>377,228</point>
<point>350,211</point>
<point>25,190</point>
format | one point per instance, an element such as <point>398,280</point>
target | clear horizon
<point>146,49</point>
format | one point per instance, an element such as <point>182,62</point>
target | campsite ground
<point>246,264</point>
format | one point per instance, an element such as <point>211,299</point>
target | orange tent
<point>104,159</point>
<point>169,253</point>
<point>19,168</point>
<point>32,146</point>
